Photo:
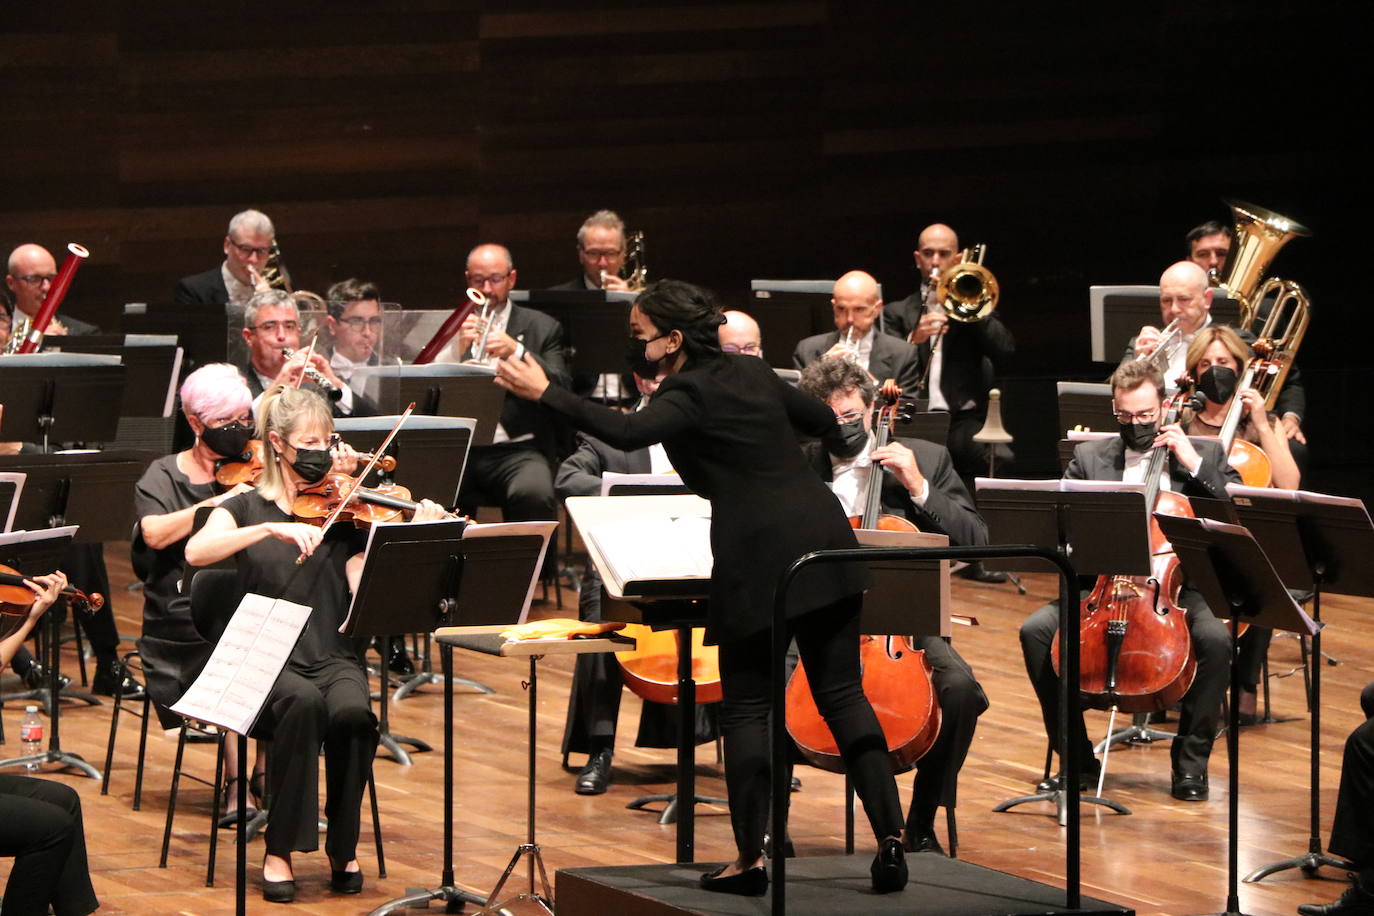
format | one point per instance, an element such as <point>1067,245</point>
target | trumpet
<point>1170,339</point>
<point>315,377</point>
<point>479,349</point>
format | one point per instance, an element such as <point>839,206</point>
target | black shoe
<point>1356,901</point>
<point>230,793</point>
<point>977,572</point>
<point>889,867</point>
<point>1188,788</point>
<point>345,882</point>
<point>752,882</point>
<point>279,891</point>
<point>922,839</point>
<point>1087,779</point>
<point>796,784</point>
<point>596,775</point>
<point>399,662</point>
<point>257,788</point>
<point>36,678</point>
<point>111,677</point>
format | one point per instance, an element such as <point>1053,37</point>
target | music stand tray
<point>93,489</point>
<point>60,397</point>
<point>437,389</point>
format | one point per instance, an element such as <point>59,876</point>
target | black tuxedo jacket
<point>974,352</point>
<point>948,509</point>
<point>890,358</point>
<point>362,407</point>
<point>202,289</point>
<point>1105,459</point>
<point>543,338</point>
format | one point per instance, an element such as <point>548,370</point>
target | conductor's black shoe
<point>1087,779</point>
<point>111,676</point>
<point>889,866</point>
<point>977,572</point>
<point>345,882</point>
<point>922,839</point>
<point>279,891</point>
<point>593,778</point>
<point>1356,901</point>
<point>1188,788</point>
<point>36,678</point>
<point>752,882</point>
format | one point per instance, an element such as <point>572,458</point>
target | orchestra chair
<point>141,707</point>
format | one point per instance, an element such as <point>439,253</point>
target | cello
<point>1136,653</point>
<point>897,678</point>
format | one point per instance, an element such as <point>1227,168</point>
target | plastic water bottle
<point>31,735</point>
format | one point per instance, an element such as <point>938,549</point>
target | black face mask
<point>853,438</point>
<point>312,463</point>
<point>228,441</point>
<point>1218,384</point>
<point>1139,436</point>
<point>636,359</point>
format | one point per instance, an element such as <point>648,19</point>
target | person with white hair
<point>247,245</point>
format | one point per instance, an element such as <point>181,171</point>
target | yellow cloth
<point>558,628</point>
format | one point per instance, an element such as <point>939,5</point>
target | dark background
<point>765,139</point>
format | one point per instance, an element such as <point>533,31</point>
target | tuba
<point>1278,340</point>
<point>1260,233</point>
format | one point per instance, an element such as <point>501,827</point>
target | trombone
<point>967,293</point>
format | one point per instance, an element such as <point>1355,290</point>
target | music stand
<point>1087,405</point>
<point>1100,528</point>
<point>31,551</point>
<point>437,576</point>
<point>60,397</point>
<point>152,364</point>
<point>201,329</point>
<point>593,323</point>
<point>1116,313</point>
<point>1321,543</point>
<point>930,425</point>
<point>11,488</point>
<point>1226,564</point>
<point>437,389</point>
<point>787,311</point>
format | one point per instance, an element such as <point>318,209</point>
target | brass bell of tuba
<point>1278,340</point>
<point>968,291</point>
<point>1260,233</point>
<point>636,269</point>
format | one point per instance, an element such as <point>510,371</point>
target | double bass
<point>1136,653</point>
<point>897,677</point>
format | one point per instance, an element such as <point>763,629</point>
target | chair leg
<point>109,746</point>
<point>952,828</point>
<point>376,825</point>
<point>142,751</point>
<point>172,795</point>
<point>214,809</point>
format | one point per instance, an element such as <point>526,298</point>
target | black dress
<point>321,697</point>
<point>173,652</point>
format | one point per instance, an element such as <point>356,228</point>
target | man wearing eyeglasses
<point>601,252</point>
<point>247,245</point>
<point>857,305</point>
<point>31,273</point>
<point>355,325</point>
<point>1196,467</point>
<point>740,334</point>
<point>271,324</point>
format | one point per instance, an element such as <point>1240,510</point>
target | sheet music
<point>256,644</point>
<point>655,547</point>
<point>617,479</point>
<point>1058,485</point>
<point>1239,491</point>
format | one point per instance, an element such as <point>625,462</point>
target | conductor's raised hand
<point>305,537</point>
<point>523,378</point>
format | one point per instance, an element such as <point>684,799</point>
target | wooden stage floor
<point>1166,858</point>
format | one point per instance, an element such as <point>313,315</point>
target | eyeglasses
<point>248,250</point>
<point>493,280</point>
<point>1138,416</point>
<point>272,327</point>
<point>243,422</point>
<point>358,322</point>
<point>36,279</point>
<point>602,254</point>
<point>749,349</point>
<point>849,417</point>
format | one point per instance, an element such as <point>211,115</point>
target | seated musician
<point>1185,300</point>
<point>1352,830</point>
<point>271,324</point>
<point>40,819</point>
<point>594,700</point>
<point>1209,244</point>
<point>601,252</point>
<point>218,408</point>
<point>857,306</point>
<point>355,325</point>
<point>514,472</point>
<point>740,334</point>
<point>1194,469</point>
<point>920,485</point>
<point>321,696</point>
<point>29,277</point>
<point>247,246</point>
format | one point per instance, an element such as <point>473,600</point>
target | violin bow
<point>367,469</point>
<point>309,352</point>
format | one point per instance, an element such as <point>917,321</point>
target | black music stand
<point>593,322</point>
<point>1100,528</point>
<point>201,329</point>
<point>1116,313</point>
<point>152,364</point>
<point>31,552</point>
<point>60,397</point>
<point>427,577</point>
<point>787,311</point>
<point>1226,564</point>
<point>930,425</point>
<point>437,389</point>
<point>1319,543</point>
<point>1086,405</point>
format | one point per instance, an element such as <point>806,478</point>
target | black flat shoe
<point>977,572</point>
<point>889,867</point>
<point>279,891</point>
<point>1356,901</point>
<point>345,882</point>
<point>596,775</point>
<point>922,840</point>
<point>752,882</point>
<point>1188,788</point>
<point>111,677</point>
<point>1087,779</point>
<point>229,818</point>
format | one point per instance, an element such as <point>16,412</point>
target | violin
<point>246,468</point>
<point>1135,652</point>
<point>338,492</point>
<point>896,677</point>
<point>16,599</point>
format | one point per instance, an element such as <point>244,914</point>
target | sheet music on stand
<point>647,546</point>
<point>1035,512</point>
<point>232,688</point>
<point>614,483</point>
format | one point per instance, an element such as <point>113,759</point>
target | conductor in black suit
<point>271,324</point>
<point>247,245</point>
<point>515,472</point>
<point>919,484</point>
<point>31,271</point>
<point>1195,468</point>
<point>856,337</point>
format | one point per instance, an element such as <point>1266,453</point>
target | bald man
<point>857,308</point>
<point>1185,297</point>
<point>740,334</point>
<point>31,271</point>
